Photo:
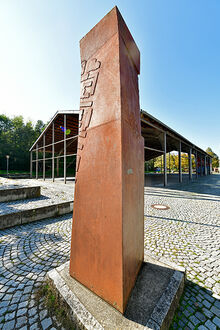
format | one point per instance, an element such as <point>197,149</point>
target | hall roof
<point>152,129</point>
<point>72,121</point>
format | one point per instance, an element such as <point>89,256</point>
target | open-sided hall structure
<point>55,151</point>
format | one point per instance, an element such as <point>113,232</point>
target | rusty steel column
<point>107,246</point>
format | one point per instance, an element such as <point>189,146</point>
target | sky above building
<point>179,43</point>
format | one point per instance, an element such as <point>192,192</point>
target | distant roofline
<point>69,112</point>
<point>59,112</point>
<point>175,133</point>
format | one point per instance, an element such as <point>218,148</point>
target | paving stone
<point>216,320</point>
<point>9,316</point>
<point>215,310</point>
<point>33,319</point>
<point>181,324</point>
<point>46,323</point>
<point>34,326</point>
<point>21,312</point>
<point>210,325</point>
<point>209,298</point>
<point>206,303</point>
<point>3,310</point>
<point>9,325</point>
<point>21,321</point>
<point>23,304</point>
<point>190,326</point>
<point>201,317</point>
<point>194,320</point>
<point>32,311</point>
<point>217,304</point>
<point>43,314</point>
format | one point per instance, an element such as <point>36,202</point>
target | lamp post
<point>7,157</point>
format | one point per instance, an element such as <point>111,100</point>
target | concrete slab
<point>13,194</point>
<point>37,213</point>
<point>151,305</point>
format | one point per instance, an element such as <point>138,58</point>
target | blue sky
<point>179,41</point>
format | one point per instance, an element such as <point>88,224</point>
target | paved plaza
<point>188,234</point>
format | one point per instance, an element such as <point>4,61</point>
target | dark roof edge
<point>179,136</point>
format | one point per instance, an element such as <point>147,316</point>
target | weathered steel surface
<point>108,218</point>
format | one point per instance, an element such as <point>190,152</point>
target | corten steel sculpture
<point>108,218</point>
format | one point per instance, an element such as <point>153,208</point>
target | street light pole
<point>7,157</point>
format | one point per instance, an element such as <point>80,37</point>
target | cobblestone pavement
<point>50,194</point>
<point>27,252</point>
<point>187,234</point>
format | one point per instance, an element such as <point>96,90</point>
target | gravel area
<point>188,233</point>
<point>50,194</point>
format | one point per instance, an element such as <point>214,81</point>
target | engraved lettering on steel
<point>89,77</point>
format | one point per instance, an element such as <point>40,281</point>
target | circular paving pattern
<point>27,253</point>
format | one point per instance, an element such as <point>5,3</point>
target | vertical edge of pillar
<point>205,164</point>
<point>165,160</point>
<point>169,162</point>
<point>196,161</point>
<point>31,164</point>
<point>201,169</point>
<point>53,152</point>
<point>44,157</point>
<point>37,161</point>
<point>210,165</point>
<point>180,163</point>
<point>190,163</point>
<point>64,144</point>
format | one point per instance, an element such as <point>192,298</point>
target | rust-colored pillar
<point>107,245</point>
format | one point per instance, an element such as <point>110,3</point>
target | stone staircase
<point>24,204</point>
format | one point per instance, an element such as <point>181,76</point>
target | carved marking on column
<point>78,158</point>
<point>89,78</point>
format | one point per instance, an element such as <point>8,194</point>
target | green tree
<point>16,138</point>
<point>215,158</point>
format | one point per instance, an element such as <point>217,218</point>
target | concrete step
<point>18,193</point>
<point>16,176</point>
<point>37,213</point>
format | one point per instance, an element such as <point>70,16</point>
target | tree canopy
<point>16,138</point>
<point>215,159</point>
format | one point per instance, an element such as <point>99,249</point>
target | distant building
<point>55,150</point>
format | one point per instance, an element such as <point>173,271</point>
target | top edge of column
<point>104,30</point>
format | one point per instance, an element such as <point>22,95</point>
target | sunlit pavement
<point>188,233</point>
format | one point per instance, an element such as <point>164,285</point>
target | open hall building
<point>53,155</point>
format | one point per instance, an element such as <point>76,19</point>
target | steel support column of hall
<point>56,147</point>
